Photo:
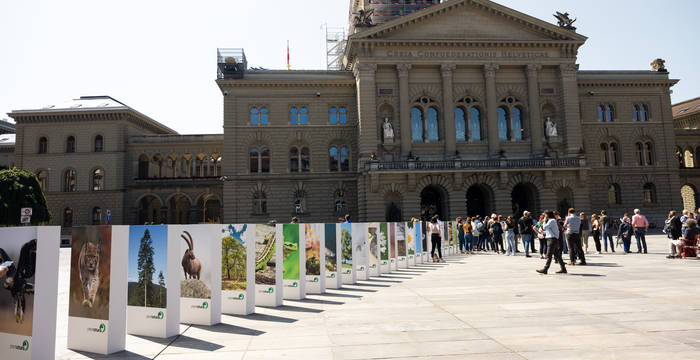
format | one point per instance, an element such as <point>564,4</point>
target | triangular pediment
<point>469,20</point>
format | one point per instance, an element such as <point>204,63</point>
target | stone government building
<point>457,108</point>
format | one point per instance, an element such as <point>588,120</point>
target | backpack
<point>480,227</point>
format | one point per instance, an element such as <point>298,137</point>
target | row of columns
<point>365,78</point>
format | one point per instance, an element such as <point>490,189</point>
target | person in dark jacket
<point>675,229</point>
<point>625,232</point>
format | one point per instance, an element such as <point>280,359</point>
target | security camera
<point>318,94</point>
<point>225,92</point>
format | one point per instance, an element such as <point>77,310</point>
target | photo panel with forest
<point>233,258</point>
<point>147,269</point>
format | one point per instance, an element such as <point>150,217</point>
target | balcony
<point>230,63</point>
<point>466,165</point>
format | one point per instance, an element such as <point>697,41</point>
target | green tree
<point>346,243</point>
<point>233,259</point>
<point>19,189</point>
<point>146,269</point>
<point>161,282</point>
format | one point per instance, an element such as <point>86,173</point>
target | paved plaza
<point>472,307</point>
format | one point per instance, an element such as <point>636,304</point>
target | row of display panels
<point>133,267</point>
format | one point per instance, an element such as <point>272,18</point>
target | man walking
<point>551,233</point>
<point>572,224</point>
<point>640,225</point>
<point>525,228</point>
<point>607,223</point>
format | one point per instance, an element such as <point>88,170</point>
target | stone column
<point>570,106</point>
<point>492,109</point>
<point>447,71</point>
<point>366,108</point>
<point>536,125</point>
<point>404,111</point>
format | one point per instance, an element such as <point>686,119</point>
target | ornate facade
<point>461,108</point>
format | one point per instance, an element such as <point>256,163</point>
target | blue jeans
<point>639,234</point>
<point>606,237</point>
<point>510,240</point>
<point>462,245</point>
<point>564,248</point>
<point>626,240</point>
<point>526,243</point>
<point>469,239</point>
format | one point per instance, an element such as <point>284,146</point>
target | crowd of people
<point>683,232</point>
<point>556,234</point>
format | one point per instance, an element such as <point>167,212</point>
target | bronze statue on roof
<point>364,18</point>
<point>565,21</point>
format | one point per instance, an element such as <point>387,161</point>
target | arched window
<point>171,166</point>
<point>264,116</point>
<point>644,113</point>
<point>609,154</point>
<point>254,160</point>
<point>67,217</point>
<point>303,116</point>
<point>609,113</point>
<point>635,113</point>
<point>293,116</point>
<point>259,203</point>
<point>157,166</point>
<point>70,144</point>
<point>218,166</point>
<point>69,181</point>
<point>43,145</point>
<point>186,165</point>
<point>294,159</point>
<point>460,124</point>
<point>601,113</point>
<point>639,153</point>
<point>199,166</point>
<point>333,115</point>
<point>433,131</point>
<point>299,201</point>
<point>416,124</point>
<point>518,130</point>
<point>614,194</point>
<point>688,158</point>
<point>474,124</point>
<point>342,115</point>
<point>143,166</point>
<point>265,160</point>
<point>99,143</point>
<point>649,193</point>
<point>344,159</point>
<point>640,112</point>
<point>43,177</point>
<point>254,116</point>
<point>614,157</point>
<point>502,124</point>
<point>98,180</point>
<point>96,216</point>
<point>333,159</point>
<point>604,154</point>
<point>649,153</point>
<point>304,160</point>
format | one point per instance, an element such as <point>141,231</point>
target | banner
<point>28,305</point>
<point>383,239</point>
<point>98,289</point>
<point>237,269</point>
<point>411,241</point>
<point>153,303</point>
<point>360,251</point>
<point>200,280</point>
<point>268,266</point>
<point>315,258</point>
<point>373,241</point>
<point>344,232</point>
<point>293,260</point>
<point>332,259</point>
<point>401,246</point>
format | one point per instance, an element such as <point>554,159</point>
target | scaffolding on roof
<point>336,40</point>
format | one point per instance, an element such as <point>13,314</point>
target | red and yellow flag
<point>288,66</point>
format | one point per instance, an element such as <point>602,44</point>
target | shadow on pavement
<point>372,285</point>
<point>386,281</point>
<point>603,264</point>
<point>265,317</point>
<point>298,309</point>
<point>230,329</point>
<point>121,354</point>
<point>187,342</point>
<point>345,288</point>
<point>318,301</point>
<point>587,275</point>
<point>332,294</point>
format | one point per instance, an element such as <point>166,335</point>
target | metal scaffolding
<point>336,40</point>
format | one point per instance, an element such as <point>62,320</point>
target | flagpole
<point>288,66</point>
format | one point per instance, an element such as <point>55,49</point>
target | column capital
<point>533,69</point>
<point>569,69</point>
<point>447,69</point>
<point>490,70</point>
<point>403,69</point>
<point>364,67</point>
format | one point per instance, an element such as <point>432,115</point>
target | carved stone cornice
<point>568,69</point>
<point>366,68</point>
<point>533,69</point>
<point>490,70</point>
<point>447,69</point>
<point>403,69</point>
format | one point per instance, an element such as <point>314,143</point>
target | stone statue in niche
<point>388,131</point>
<point>551,128</point>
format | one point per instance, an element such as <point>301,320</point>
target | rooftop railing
<point>441,165</point>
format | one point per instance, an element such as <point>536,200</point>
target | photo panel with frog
<point>293,260</point>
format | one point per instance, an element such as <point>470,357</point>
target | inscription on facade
<point>485,54</point>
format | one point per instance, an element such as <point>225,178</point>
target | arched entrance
<point>479,200</point>
<point>524,197</point>
<point>179,210</point>
<point>393,211</point>
<point>210,209</point>
<point>433,202</point>
<point>690,197</point>
<point>149,210</point>
<point>565,200</point>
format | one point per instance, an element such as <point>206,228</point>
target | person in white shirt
<point>551,233</point>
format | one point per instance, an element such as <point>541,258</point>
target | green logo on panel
<point>103,328</point>
<point>160,315</point>
<point>205,305</point>
<point>362,267</point>
<point>241,296</point>
<point>333,275</point>
<point>384,262</point>
<point>270,290</point>
<point>315,278</point>
<point>411,257</point>
<point>392,260</point>
<point>295,284</point>
<point>374,266</point>
<point>347,271</point>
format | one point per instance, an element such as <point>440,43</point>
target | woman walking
<point>585,231</point>
<point>675,227</point>
<point>510,236</point>
<point>597,231</point>
<point>540,237</point>
<point>435,238</point>
<point>460,235</point>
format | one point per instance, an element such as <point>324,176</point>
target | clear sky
<point>159,57</point>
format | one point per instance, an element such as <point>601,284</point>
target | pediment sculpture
<point>364,18</point>
<point>565,21</point>
<point>659,65</point>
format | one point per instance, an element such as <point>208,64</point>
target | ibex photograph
<point>196,274</point>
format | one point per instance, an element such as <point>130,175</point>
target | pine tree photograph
<point>148,248</point>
